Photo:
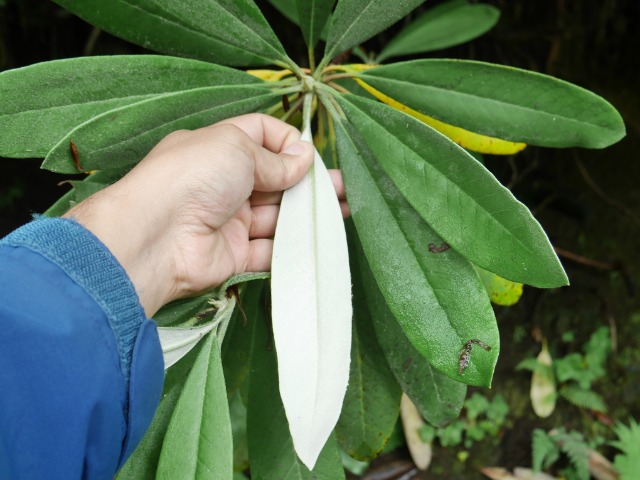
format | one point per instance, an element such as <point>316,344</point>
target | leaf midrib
<point>408,243</point>
<point>145,132</point>
<point>470,97</point>
<point>448,181</point>
<point>337,43</point>
<point>177,21</point>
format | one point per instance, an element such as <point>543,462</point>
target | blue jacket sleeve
<point>81,368</point>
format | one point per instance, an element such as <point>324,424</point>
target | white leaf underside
<point>176,342</point>
<point>311,309</point>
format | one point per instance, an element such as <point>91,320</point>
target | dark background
<point>587,200</point>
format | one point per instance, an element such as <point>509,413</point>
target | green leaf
<point>288,8</point>
<point>583,398</point>
<point>628,442</point>
<point>236,349</point>
<point>198,443</point>
<point>238,414</point>
<point>371,404</point>
<point>423,289</point>
<point>231,32</point>
<point>70,92</point>
<point>544,451</point>
<point>355,21</point>
<point>437,397</point>
<point>313,15</point>
<point>143,463</point>
<point>503,102</point>
<point>443,26</point>
<point>459,198</point>
<point>271,452</point>
<point>179,312</point>
<point>122,137</point>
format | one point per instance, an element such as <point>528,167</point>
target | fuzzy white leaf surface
<point>311,309</point>
<point>176,342</point>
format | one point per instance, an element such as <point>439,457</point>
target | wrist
<point>134,236</point>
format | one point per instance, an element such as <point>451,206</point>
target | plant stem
<point>294,108</point>
<point>337,76</point>
<point>312,59</point>
<point>323,63</point>
<point>306,111</point>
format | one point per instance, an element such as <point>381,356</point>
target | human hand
<point>201,206</point>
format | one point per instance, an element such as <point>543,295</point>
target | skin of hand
<point>201,206</point>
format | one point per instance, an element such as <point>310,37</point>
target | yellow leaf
<point>269,75</point>
<point>464,138</point>
<point>501,291</point>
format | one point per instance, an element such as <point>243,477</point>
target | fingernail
<point>297,148</point>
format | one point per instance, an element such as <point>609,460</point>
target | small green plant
<point>425,213</point>
<point>574,374</point>
<point>547,447</point>
<point>482,418</point>
<point>628,442</point>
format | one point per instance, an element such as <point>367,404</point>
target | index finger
<point>266,131</point>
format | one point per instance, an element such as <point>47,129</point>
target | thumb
<point>279,171</point>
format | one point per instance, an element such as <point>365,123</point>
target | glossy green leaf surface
<point>437,397</point>
<point>123,136</point>
<point>71,91</point>
<point>460,199</point>
<point>193,29</point>
<point>355,21</point>
<point>502,102</point>
<point>370,408</point>
<point>313,15</point>
<point>443,26</point>
<point>271,451</point>
<point>422,288</point>
<point>198,442</point>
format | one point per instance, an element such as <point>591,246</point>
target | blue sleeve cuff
<point>91,265</point>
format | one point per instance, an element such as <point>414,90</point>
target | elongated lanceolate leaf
<point>464,138</point>
<point>236,348</point>
<point>355,21</point>
<point>176,342</point>
<point>288,8</point>
<point>502,102</point>
<point>71,91</point>
<point>370,408</point>
<point>153,24</point>
<point>438,397</point>
<point>311,309</point>
<point>143,463</point>
<point>436,296</point>
<point>456,195</point>
<point>313,15</point>
<point>122,137</point>
<point>271,450</point>
<point>444,26</point>
<point>238,23</point>
<point>198,442</point>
